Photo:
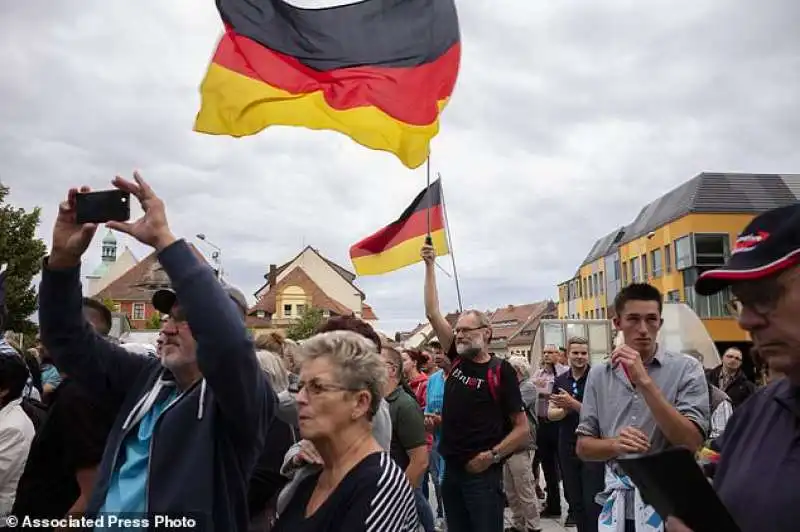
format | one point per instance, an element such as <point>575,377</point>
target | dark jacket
<point>205,444</point>
<point>739,388</point>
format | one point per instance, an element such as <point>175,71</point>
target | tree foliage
<point>153,322</point>
<point>305,327</point>
<point>23,252</point>
<point>109,304</point>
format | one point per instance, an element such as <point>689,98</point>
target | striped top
<point>375,496</point>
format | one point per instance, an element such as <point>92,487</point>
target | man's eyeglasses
<point>464,330</point>
<point>762,297</point>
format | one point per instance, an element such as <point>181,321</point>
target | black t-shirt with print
<point>374,496</point>
<point>472,420</point>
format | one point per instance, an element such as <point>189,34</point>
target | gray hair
<point>272,365</point>
<point>358,364</point>
<point>521,366</point>
<point>482,317</point>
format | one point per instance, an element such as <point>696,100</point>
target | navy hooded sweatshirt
<point>205,444</point>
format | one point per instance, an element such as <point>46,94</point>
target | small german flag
<point>379,71</point>
<point>398,244</point>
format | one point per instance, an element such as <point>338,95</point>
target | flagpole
<point>449,244</point>
<point>428,239</point>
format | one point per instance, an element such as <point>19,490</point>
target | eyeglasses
<point>315,388</point>
<point>763,296</point>
<point>464,330</point>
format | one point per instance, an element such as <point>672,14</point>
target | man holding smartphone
<point>192,423</point>
<point>645,399</point>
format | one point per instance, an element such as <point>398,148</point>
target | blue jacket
<point>206,444</point>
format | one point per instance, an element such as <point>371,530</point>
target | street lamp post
<point>216,255</point>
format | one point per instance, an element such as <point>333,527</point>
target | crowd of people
<point>348,430</point>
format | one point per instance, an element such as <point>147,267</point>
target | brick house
<point>309,280</point>
<point>514,327</point>
<point>132,291</point>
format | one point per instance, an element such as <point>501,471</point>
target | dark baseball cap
<point>165,299</point>
<point>769,245</point>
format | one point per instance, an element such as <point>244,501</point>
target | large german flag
<point>379,71</point>
<point>398,244</point>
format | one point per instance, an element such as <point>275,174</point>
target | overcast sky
<point>568,117</point>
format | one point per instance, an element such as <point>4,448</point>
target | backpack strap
<point>493,378</point>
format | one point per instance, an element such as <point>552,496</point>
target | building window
<point>683,253</point>
<point>711,250</point>
<point>713,306</point>
<point>287,310</point>
<point>616,270</point>
<point>602,284</point>
<point>589,285</point>
<point>644,268</point>
<point>655,262</point>
<point>668,258</point>
<point>594,280</point>
<point>138,311</point>
<point>301,309</point>
<point>674,296</point>
<point>635,273</point>
<point>624,273</point>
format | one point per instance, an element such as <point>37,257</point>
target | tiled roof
<point>254,322</point>
<point>298,277</point>
<point>603,245</point>
<point>138,283</point>
<point>710,193</point>
<point>508,322</point>
<point>717,193</point>
<point>367,313</point>
<point>346,274</point>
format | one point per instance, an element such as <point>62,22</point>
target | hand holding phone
<point>152,228</point>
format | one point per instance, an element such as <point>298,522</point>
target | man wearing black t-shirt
<point>483,417</point>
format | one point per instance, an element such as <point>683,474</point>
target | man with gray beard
<point>483,417</point>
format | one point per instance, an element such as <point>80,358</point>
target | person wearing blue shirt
<point>193,423</point>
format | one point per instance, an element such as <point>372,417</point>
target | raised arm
<point>225,353</point>
<point>99,365</point>
<point>440,326</point>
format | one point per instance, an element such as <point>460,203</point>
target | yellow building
<point>674,239</point>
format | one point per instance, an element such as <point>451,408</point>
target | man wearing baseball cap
<point>193,422</point>
<point>760,450</point>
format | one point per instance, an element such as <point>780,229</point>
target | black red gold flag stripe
<point>398,244</point>
<point>379,71</point>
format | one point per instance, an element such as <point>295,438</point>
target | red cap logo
<point>748,242</point>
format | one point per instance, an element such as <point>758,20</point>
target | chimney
<point>272,276</point>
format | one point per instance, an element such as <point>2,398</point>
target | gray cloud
<point>568,117</point>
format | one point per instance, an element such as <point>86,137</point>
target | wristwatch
<point>496,457</point>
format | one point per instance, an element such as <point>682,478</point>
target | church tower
<point>109,253</point>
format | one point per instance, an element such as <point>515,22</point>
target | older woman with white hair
<point>518,479</point>
<point>359,487</point>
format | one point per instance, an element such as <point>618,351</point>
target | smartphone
<point>103,206</point>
